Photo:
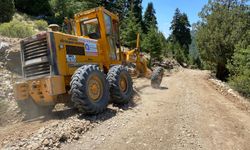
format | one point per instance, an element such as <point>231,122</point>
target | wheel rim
<point>95,88</point>
<point>123,83</point>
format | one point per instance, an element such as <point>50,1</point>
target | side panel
<point>73,52</point>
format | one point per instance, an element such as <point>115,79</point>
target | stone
<point>46,142</point>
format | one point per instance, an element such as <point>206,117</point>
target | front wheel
<point>156,77</point>
<point>121,85</point>
<point>89,89</point>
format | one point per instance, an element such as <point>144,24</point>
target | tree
<point>239,68</point>
<point>223,25</point>
<point>152,44</point>
<point>163,41</point>
<point>34,7</point>
<point>136,7</point>
<point>181,31</point>
<point>67,8</point>
<point>149,18</point>
<point>7,10</point>
<point>194,56</point>
<point>129,31</point>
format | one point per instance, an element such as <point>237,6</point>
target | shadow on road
<point>163,88</point>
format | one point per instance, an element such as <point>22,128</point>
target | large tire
<point>156,77</point>
<point>30,109</point>
<point>121,85</point>
<point>89,89</point>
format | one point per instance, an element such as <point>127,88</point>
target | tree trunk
<point>222,72</point>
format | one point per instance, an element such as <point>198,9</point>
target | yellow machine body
<point>49,59</point>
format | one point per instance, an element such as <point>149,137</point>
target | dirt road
<point>186,113</point>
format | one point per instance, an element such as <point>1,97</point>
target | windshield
<point>90,28</point>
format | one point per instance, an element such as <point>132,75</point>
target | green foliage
<point>136,7</point>
<point>181,30</point>
<point>180,38</point>
<point>41,25</point>
<point>194,56</point>
<point>67,8</point>
<point>7,10</point>
<point>34,7</point>
<point>179,54</point>
<point>149,18</point>
<point>239,68</point>
<point>223,25</point>
<point>16,29</point>
<point>129,31</point>
<point>163,42</point>
<point>152,44</point>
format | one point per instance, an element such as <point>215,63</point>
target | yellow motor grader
<point>87,66</point>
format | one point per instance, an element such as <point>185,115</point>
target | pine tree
<point>7,10</point>
<point>129,31</point>
<point>152,44</point>
<point>136,7</point>
<point>149,18</point>
<point>181,31</point>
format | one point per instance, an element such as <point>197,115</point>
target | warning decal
<point>90,46</point>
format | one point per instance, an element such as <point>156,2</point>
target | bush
<point>7,10</point>
<point>16,29</point>
<point>41,25</point>
<point>239,69</point>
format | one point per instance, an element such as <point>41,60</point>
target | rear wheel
<point>89,89</point>
<point>121,85</point>
<point>156,77</point>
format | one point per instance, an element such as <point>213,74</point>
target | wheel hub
<point>123,84</point>
<point>95,88</point>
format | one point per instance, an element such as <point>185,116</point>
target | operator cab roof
<point>95,10</point>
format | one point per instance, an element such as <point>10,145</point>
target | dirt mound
<point>240,101</point>
<point>8,107</point>
<point>9,60</point>
<point>10,54</point>
<point>167,63</point>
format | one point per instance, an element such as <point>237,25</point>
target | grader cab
<point>87,66</point>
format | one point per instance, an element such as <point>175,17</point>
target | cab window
<point>107,19</point>
<point>90,28</point>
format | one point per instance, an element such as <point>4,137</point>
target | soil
<point>186,113</point>
<point>189,111</point>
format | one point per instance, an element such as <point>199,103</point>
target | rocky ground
<point>9,48</point>
<point>190,111</point>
